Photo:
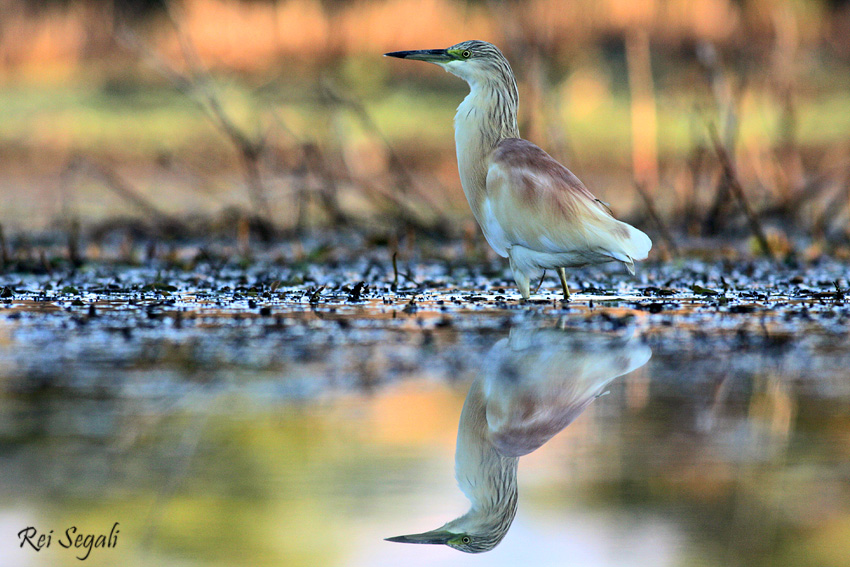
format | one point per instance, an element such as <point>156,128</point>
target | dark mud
<point>358,323</point>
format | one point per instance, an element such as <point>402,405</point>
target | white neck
<point>485,117</point>
<point>486,477</point>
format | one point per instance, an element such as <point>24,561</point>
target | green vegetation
<point>135,122</point>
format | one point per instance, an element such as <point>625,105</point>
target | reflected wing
<point>542,380</point>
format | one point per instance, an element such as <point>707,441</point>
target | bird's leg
<point>562,273</point>
<point>541,282</point>
<point>522,281</point>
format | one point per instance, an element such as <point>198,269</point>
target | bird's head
<point>470,60</point>
<point>472,533</point>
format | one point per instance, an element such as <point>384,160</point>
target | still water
<point>308,436</point>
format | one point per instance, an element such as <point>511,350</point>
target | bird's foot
<point>562,274</point>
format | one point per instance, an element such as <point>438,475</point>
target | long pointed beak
<point>430,55</point>
<point>434,537</point>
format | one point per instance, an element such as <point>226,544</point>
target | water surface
<point>222,420</point>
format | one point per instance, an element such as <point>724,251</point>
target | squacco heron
<point>532,209</point>
<point>535,384</point>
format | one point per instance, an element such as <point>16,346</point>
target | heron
<point>531,209</point>
<point>536,383</point>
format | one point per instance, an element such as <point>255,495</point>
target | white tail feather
<point>635,246</point>
<point>638,244</point>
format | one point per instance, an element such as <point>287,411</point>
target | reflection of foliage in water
<point>185,408</point>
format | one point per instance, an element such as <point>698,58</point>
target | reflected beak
<point>434,537</point>
<point>429,55</point>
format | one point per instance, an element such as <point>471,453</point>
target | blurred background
<point>697,119</point>
<point>225,412</point>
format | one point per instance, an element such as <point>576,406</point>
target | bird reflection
<point>536,382</point>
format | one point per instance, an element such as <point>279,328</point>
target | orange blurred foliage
<point>254,36</point>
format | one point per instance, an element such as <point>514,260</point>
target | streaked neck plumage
<point>486,116</point>
<point>485,476</point>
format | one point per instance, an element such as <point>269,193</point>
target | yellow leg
<point>562,273</point>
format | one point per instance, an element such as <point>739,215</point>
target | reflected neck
<point>487,477</point>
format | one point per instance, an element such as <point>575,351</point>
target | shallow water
<point>241,416</point>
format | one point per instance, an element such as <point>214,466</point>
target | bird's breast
<point>474,141</point>
<point>492,229</point>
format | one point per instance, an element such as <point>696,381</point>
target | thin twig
<point>811,190</point>
<point>540,283</point>
<point>666,235</point>
<point>727,113</point>
<point>120,187</point>
<point>195,86</point>
<point>359,110</point>
<point>735,187</point>
<point>695,163</point>
<point>403,175</point>
<point>644,121</point>
<point>4,250</point>
<point>834,208</point>
<point>74,243</point>
<point>711,224</point>
<point>249,150</point>
<point>315,162</point>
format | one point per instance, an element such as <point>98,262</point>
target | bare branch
<point>735,188</point>
<point>195,85</point>
<point>666,235</point>
<point>119,186</point>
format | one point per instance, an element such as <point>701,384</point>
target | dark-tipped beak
<point>434,537</point>
<point>430,55</point>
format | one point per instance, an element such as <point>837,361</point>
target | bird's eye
<point>466,54</point>
<point>465,539</point>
